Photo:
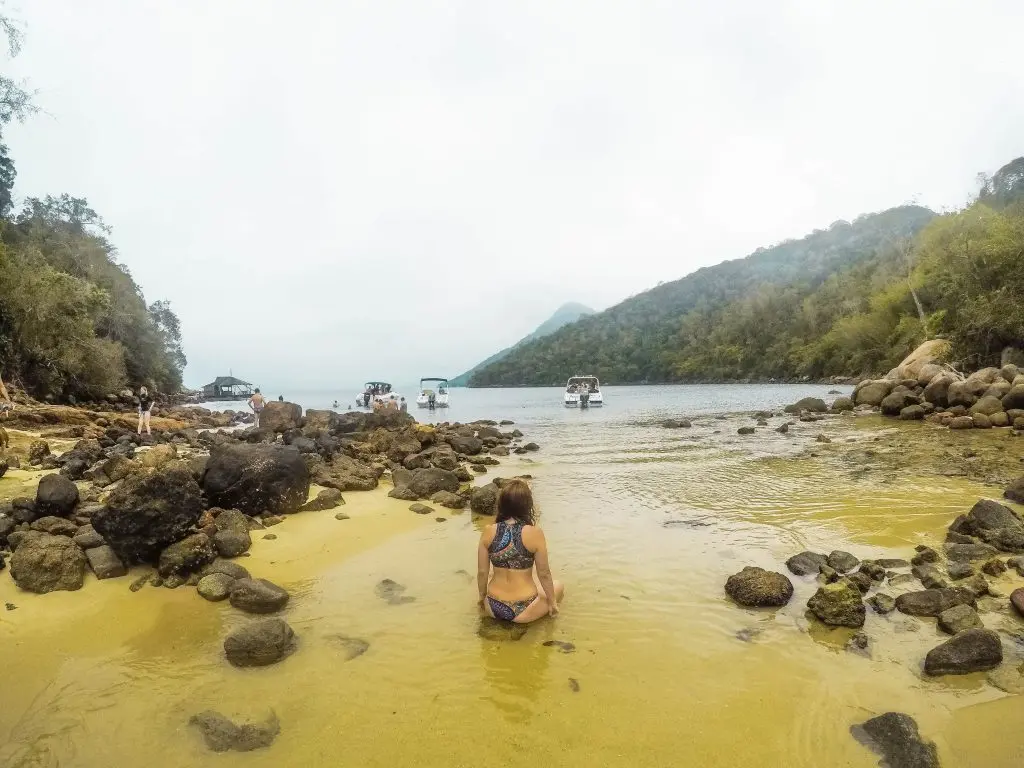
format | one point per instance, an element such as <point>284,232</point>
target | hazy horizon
<point>329,193</point>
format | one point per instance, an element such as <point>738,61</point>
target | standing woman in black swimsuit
<point>513,545</point>
<point>145,409</point>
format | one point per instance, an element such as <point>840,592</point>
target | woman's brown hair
<point>516,502</point>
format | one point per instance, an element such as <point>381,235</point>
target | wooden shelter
<point>227,388</point>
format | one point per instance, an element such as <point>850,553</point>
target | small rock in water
<point>958,618</point>
<point>392,592</point>
<point>838,605</point>
<point>691,523</point>
<point>352,647</point>
<point>745,431</point>
<point>860,580</point>
<point>421,509</point>
<point>257,596</point>
<point>882,603</point>
<point>270,537</point>
<point>924,555</point>
<point>994,567</point>
<point>900,578</point>
<point>930,576</point>
<point>973,650</point>
<point>806,563</point>
<point>10,606</point>
<point>873,570</point>
<point>215,587</point>
<point>896,738</point>
<point>842,561</point>
<point>960,570</point>
<point>140,582</point>
<point>341,516</point>
<point>932,602</point>
<point>782,429</point>
<point>757,588</point>
<point>259,643</point>
<point>747,634</point>
<point>859,644</point>
<point>892,562</point>
<point>221,734</point>
<point>440,519</point>
<point>1017,600</point>
<point>499,631</point>
<point>561,645</point>
<point>574,685</point>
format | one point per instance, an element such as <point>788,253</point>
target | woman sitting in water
<point>513,544</point>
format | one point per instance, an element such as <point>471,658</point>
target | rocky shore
<point>180,508</point>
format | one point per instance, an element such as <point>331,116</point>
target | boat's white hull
<point>572,400</point>
<point>441,401</point>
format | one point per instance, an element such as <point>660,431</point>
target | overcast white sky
<point>330,191</point>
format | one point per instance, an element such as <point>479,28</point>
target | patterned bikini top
<point>507,550</point>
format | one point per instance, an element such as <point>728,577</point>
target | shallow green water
<point>107,677</point>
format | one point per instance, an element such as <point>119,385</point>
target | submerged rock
<point>259,643</point>
<point>352,647</point>
<point>882,603</point>
<point>43,563</point>
<point>221,734</point>
<point>392,592</point>
<point>973,650</point>
<point>838,605</point>
<point>757,588</point>
<point>958,618</point>
<point>896,738</point>
<point>257,596</point>
<point>932,602</point>
<point>421,509</point>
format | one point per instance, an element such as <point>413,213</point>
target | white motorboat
<point>375,391</point>
<point>583,392</point>
<point>431,397</point>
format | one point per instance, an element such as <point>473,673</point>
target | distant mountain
<point>565,314</point>
<point>806,307</point>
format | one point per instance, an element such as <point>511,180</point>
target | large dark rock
<point>187,556</point>
<point>1014,398</point>
<point>812,404</point>
<point>259,643</point>
<point>896,738</point>
<point>839,605</point>
<point>280,416</point>
<point>973,650</point>
<point>426,482</point>
<point>937,390</point>
<point>221,734</point>
<point>757,588</point>
<point>987,514</point>
<point>966,552</point>
<point>147,513</point>
<point>806,563</point>
<point>346,474</point>
<point>894,403</point>
<point>43,563</point>
<point>56,496</point>
<point>256,479</point>
<point>932,602</point>
<point>872,392</point>
<point>257,596</point>
<point>484,500</point>
<point>467,445</point>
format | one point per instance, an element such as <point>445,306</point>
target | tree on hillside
<point>1005,187</point>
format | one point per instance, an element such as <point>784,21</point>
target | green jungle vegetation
<point>73,322</point>
<point>850,300</point>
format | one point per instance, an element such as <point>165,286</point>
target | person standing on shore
<point>404,407</point>
<point>145,410</point>
<point>257,403</point>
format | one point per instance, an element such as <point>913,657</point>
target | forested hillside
<point>849,300</point>
<point>565,314</point>
<point>73,323</point>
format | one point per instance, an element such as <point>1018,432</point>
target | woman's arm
<point>483,565</point>
<point>540,560</point>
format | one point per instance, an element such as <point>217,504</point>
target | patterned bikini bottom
<point>508,611</point>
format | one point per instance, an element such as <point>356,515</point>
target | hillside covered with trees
<point>73,322</point>
<point>849,300</point>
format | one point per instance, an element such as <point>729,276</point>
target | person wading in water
<point>515,546</point>
<point>257,403</point>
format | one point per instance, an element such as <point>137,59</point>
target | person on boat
<point>257,403</point>
<point>145,409</point>
<point>513,573</point>
<point>403,406</point>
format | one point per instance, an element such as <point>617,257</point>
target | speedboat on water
<point>375,391</point>
<point>430,397</point>
<point>583,392</point>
